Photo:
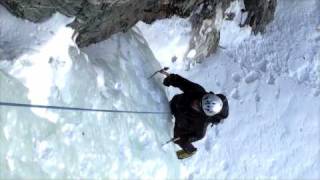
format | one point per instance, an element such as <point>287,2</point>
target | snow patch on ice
<point>191,54</point>
<point>168,38</point>
<point>231,34</point>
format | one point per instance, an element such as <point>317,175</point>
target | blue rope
<point>76,108</point>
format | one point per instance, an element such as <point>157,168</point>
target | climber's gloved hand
<point>169,80</point>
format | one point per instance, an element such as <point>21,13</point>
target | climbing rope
<point>76,108</point>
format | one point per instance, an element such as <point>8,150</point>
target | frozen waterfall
<point>40,64</point>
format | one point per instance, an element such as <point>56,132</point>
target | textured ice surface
<point>66,144</point>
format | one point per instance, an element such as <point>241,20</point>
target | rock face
<point>96,20</point>
<point>205,35</point>
<point>260,13</point>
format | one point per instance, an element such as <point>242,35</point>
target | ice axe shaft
<point>162,71</point>
<point>171,140</point>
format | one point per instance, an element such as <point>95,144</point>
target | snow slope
<point>273,84</point>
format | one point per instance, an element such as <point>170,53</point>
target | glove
<point>167,80</point>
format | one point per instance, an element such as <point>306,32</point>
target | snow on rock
<point>231,34</point>
<point>191,54</point>
<point>168,38</point>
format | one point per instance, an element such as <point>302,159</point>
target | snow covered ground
<point>272,82</point>
<point>273,85</point>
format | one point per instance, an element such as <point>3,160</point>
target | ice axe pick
<point>162,71</point>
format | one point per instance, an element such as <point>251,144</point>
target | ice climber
<point>193,110</point>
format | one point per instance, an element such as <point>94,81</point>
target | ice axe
<point>171,140</point>
<point>162,71</point>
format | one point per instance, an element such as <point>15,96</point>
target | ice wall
<point>47,68</point>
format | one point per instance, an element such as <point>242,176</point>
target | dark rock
<point>230,16</point>
<point>205,35</point>
<point>96,20</point>
<point>260,13</point>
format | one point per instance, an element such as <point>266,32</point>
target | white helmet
<point>211,104</point>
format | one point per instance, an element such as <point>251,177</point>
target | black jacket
<point>191,125</point>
